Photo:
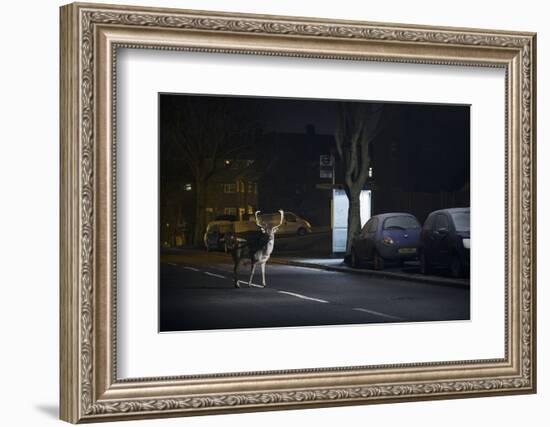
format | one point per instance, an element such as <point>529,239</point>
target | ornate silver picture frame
<point>91,35</point>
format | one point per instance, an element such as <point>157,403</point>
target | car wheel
<point>302,231</point>
<point>378,262</point>
<point>456,267</point>
<point>424,265</point>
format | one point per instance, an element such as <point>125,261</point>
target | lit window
<point>229,188</point>
<point>188,187</point>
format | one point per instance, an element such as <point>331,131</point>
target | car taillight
<point>387,240</point>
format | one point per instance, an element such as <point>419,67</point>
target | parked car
<point>293,224</point>
<point>389,237</point>
<point>445,241</point>
<point>214,236</point>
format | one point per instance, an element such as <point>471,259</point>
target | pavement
<point>409,272</point>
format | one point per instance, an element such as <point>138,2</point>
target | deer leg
<point>236,273</point>
<point>263,274</point>
<point>253,265</point>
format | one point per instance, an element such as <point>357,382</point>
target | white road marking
<point>191,268</point>
<point>303,297</point>
<point>171,263</point>
<point>214,275</point>
<point>377,313</point>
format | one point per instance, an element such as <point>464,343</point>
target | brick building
<point>233,190</point>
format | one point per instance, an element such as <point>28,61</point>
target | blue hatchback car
<point>389,237</point>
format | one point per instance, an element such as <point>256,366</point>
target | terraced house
<point>233,190</point>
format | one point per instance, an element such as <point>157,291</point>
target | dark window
<point>461,220</point>
<point>429,224</point>
<point>401,222</point>
<point>441,222</point>
<point>372,225</point>
<point>290,217</point>
<point>365,228</point>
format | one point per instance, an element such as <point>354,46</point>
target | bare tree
<point>202,133</point>
<point>358,126</point>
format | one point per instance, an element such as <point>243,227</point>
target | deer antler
<point>282,218</point>
<point>257,220</point>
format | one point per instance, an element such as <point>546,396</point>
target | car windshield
<point>401,222</point>
<point>224,228</point>
<point>461,220</point>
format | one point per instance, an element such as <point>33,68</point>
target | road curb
<point>440,281</point>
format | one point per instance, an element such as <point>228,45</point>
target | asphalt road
<point>197,293</point>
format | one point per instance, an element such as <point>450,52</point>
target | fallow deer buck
<point>256,247</point>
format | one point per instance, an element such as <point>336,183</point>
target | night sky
<point>434,139</point>
<point>292,116</point>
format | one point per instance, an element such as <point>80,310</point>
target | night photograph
<point>279,212</point>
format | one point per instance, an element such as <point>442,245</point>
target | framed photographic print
<point>265,212</point>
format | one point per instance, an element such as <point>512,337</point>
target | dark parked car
<point>445,241</point>
<point>214,236</point>
<point>392,237</point>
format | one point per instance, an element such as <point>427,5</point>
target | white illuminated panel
<point>340,205</point>
<point>364,206</point>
